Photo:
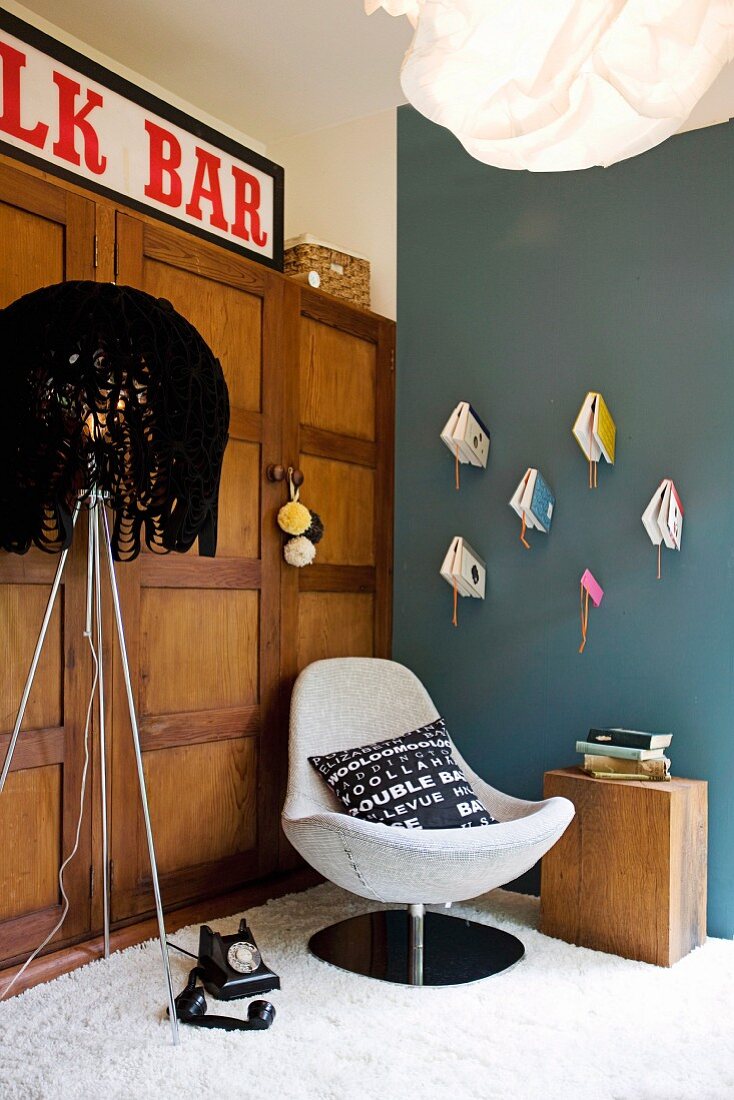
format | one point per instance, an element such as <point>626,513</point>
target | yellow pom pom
<point>294,518</point>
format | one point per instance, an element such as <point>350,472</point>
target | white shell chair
<point>347,702</point>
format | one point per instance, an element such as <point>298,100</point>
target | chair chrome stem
<point>416,928</point>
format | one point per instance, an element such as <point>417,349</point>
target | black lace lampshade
<point>105,387</point>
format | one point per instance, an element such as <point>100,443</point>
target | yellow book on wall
<point>595,432</point>
<point>605,429</point>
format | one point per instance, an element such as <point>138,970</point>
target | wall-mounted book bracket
<point>465,571</point>
<point>534,502</point>
<point>663,518</point>
<point>467,437</point>
<point>595,432</point>
<point>590,590</point>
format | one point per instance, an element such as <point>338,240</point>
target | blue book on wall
<point>542,503</point>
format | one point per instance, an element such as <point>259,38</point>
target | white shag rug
<point>565,1024</point>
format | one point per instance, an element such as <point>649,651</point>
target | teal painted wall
<point>520,292</point>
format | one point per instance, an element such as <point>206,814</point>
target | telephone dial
<point>230,967</point>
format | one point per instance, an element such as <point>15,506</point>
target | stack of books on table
<point>626,754</point>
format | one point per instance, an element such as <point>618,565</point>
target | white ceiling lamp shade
<point>411,8</point>
<point>559,85</point>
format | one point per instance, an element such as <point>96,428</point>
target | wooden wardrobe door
<point>47,236</point>
<point>203,633</point>
<point>340,432</point>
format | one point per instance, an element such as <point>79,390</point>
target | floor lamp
<point>114,404</point>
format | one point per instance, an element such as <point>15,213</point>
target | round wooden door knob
<point>275,472</point>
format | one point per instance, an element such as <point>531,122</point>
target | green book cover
<point>589,747</point>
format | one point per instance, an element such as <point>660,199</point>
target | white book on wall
<point>472,570</point>
<point>663,517</point>
<point>673,519</point>
<point>462,567</point>
<point>652,512</point>
<point>447,435</point>
<point>450,569</point>
<point>521,499</point>
<point>465,433</point>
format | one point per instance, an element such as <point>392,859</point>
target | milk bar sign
<point>69,116</point>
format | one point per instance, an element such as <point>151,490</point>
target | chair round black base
<point>456,951</point>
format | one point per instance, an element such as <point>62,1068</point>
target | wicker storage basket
<point>343,274</point>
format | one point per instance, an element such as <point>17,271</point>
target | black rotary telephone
<point>230,967</point>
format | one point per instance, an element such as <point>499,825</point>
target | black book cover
<point>629,739</point>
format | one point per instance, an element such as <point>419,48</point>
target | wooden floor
<point>51,966</point>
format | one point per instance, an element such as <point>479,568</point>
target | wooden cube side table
<point>629,874</point>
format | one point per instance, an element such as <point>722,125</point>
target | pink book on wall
<point>590,590</point>
<point>592,586</point>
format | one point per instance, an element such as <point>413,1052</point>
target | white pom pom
<point>299,551</point>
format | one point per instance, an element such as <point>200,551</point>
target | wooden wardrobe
<point>215,644</point>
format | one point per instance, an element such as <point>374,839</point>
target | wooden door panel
<point>48,237</point>
<point>343,494</point>
<point>203,633</point>
<point>225,798</point>
<point>238,529</point>
<point>335,624</point>
<point>30,840</point>
<point>39,245</point>
<point>199,649</point>
<point>337,382</point>
<point>21,609</point>
<point>229,319</point>
<point>239,501</point>
<point>340,426</point>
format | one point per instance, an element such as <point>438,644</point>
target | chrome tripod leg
<point>96,522</point>
<point>141,775</point>
<point>36,656</point>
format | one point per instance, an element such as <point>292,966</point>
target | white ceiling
<point>270,68</point>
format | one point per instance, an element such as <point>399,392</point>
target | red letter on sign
<point>13,62</point>
<point>207,167</point>
<point>161,165</point>
<point>247,207</point>
<point>71,120</point>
